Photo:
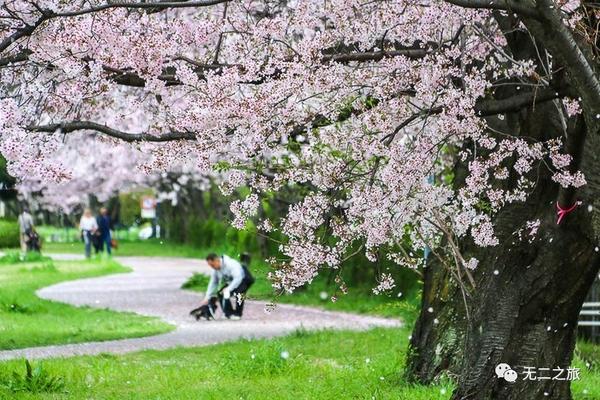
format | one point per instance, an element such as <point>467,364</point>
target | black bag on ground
<point>33,240</point>
<point>248,278</point>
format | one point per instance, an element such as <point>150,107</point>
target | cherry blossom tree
<point>467,127</point>
<point>90,167</point>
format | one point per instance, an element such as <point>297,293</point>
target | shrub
<point>9,233</point>
<point>35,380</point>
<point>195,281</point>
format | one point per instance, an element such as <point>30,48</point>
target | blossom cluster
<point>360,107</point>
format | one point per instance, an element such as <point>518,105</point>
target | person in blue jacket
<point>104,226</point>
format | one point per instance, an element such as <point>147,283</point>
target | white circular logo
<point>510,376</point>
<point>505,372</point>
<point>501,369</point>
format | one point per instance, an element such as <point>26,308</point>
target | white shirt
<point>25,222</point>
<point>231,272</point>
<point>88,223</point>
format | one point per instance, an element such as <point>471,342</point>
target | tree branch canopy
<point>358,109</point>
<point>484,107</point>
<point>573,53</point>
<point>46,14</point>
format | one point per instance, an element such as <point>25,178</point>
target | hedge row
<point>9,234</point>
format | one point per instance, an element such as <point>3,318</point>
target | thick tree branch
<point>524,8</point>
<point>68,127</point>
<point>562,44</point>
<point>374,55</point>
<point>19,57</point>
<point>157,5</point>
<point>130,78</point>
<point>46,15</point>
<point>483,108</point>
<point>20,33</point>
<point>488,107</point>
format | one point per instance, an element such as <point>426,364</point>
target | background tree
<point>7,182</point>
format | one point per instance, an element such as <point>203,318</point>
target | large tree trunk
<point>437,340</point>
<point>523,312</point>
<point>528,292</point>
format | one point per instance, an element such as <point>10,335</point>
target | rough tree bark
<point>524,308</point>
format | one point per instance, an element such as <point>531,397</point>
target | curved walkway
<point>154,288</point>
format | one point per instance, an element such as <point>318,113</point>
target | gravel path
<point>153,288</point>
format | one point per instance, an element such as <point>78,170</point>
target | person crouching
<point>236,277</point>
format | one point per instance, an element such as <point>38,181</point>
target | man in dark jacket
<point>104,226</point>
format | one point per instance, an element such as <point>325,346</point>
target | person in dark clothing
<point>97,243</point>
<point>104,226</point>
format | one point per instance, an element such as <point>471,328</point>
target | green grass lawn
<point>62,234</point>
<point>26,320</point>
<point>152,247</point>
<point>323,365</point>
<point>320,365</point>
<point>304,365</point>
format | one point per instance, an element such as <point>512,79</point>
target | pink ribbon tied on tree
<point>562,212</point>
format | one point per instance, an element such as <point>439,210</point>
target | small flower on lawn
<point>285,355</point>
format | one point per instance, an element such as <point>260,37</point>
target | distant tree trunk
<point>114,207</point>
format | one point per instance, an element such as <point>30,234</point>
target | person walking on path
<point>89,228</point>
<point>104,226</point>
<point>237,279</point>
<point>26,226</point>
